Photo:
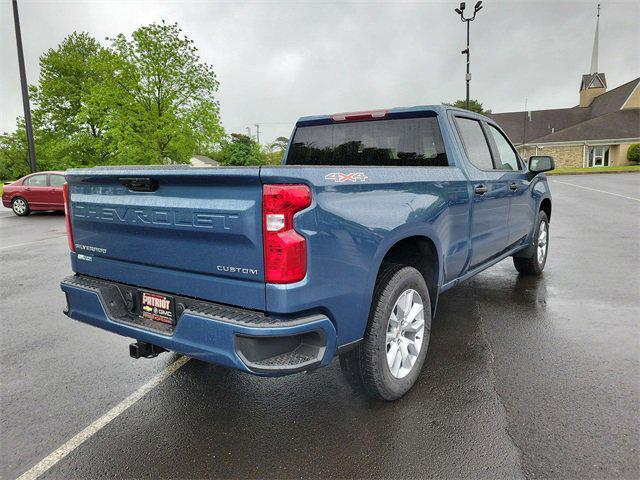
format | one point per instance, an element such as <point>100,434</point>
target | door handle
<point>481,190</point>
<point>513,186</point>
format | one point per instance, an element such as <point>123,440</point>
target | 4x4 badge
<point>346,177</point>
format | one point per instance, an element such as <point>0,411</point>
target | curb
<point>591,173</point>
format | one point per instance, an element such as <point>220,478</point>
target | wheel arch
<point>17,196</point>
<point>545,206</point>
<point>420,252</point>
<point>20,197</point>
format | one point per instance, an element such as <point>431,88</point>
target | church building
<point>597,132</point>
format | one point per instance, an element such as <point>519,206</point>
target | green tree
<point>14,160</point>
<point>281,143</point>
<point>633,153</point>
<point>161,99</point>
<point>276,150</point>
<point>68,132</point>
<point>145,99</point>
<point>474,106</point>
<point>68,74</point>
<point>241,150</point>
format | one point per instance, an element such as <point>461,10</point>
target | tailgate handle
<point>140,184</point>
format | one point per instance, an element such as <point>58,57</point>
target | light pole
<point>460,11</point>
<point>25,91</point>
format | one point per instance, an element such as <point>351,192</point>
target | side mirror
<point>541,163</point>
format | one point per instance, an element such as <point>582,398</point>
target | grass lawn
<point>567,171</point>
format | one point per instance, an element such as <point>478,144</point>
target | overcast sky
<point>279,60</point>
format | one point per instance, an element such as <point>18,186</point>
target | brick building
<point>596,132</point>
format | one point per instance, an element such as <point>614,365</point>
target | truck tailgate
<point>195,232</point>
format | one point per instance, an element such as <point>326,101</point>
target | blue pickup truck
<point>342,250</point>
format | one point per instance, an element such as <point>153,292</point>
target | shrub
<point>633,154</point>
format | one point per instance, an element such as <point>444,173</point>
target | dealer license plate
<point>158,307</point>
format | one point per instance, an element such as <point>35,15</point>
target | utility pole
<point>25,91</point>
<point>460,11</point>
<point>524,125</point>
<point>249,131</point>
<point>257,125</point>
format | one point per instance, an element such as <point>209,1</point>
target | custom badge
<point>346,177</point>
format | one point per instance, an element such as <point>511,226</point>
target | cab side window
<point>36,181</point>
<point>508,158</point>
<point>475,143</point>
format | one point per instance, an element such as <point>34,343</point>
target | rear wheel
<point>20,207</point>
<point>388,361</point>
<point>535,260</point>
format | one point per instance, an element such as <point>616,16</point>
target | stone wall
<point>565,156</point>
<point>618,154</point>
<point>588,94</point>
<point>570,156</point>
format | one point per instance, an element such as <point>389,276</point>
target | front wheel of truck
<point>533,262</point>
<point>388,361</point>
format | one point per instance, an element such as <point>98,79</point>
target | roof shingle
<point>575,123</point>
<point>615,125</point>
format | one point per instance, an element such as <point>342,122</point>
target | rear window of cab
<point>400,142</point>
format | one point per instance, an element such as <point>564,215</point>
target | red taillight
<point>285,250</point>
<point>67,214</point>
<point>354,116</point>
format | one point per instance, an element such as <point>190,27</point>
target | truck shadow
<point>207,421</point>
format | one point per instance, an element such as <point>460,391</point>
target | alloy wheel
<point>543,238</point>
<point>19,206</point>
<point>405,333</point>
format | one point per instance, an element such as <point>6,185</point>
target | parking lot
<point>525,377</point>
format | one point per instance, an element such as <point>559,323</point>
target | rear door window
<point>475,143</point>
<point>57,180</point>
<point>393,142</point>
<point>36,181</point>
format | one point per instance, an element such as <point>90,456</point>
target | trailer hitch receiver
<point>144,350</point>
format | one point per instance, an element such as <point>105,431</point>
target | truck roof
<point>438,109</point>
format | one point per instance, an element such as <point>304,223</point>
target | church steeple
<point>594,54</point>
<point>594,83</point>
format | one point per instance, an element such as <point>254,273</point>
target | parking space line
<point>54,457</point>
<point>596,190</point>
<point>29,243</point>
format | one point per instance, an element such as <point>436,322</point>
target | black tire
<point>17,207</point>
<point>366,366</point>
<point>529,263</point>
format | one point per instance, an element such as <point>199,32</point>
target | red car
<point>38,191</point>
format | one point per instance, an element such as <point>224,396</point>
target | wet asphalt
<point>525,377</point>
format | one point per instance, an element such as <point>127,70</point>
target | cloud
<point>278,60</point>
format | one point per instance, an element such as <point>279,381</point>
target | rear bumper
<point>237,338</point>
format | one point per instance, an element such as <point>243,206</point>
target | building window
<point>599,156</point>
